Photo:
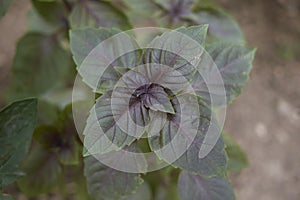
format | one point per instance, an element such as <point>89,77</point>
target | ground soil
<point>265,119</point>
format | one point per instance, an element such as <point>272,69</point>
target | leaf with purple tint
<point>95,14</point>
<point>116,120</point>
<point>178,49</point>
<point>192,186</point>
<point>154,97</point>
<point>106,183</point>
<point>212,164</point>
<point>233,63</point>
<point>96,52</point>
<point>174,10</point>
<point>188,159</point>
<point>179,130</point>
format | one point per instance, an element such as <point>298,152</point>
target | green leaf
<point>237,158</point>
<point>113,53</point>
<point>52,11</point>
<point>17,122</point>
<point>43,171</point>
<point>234,63</point>
<point>37,23</point>
<point>5,197</point>
<point>107,183</point>
<point>196,187</point>
<point>39,65</point>
<point>4,6</point>
<point>95,14</point>
<point>221,25</point>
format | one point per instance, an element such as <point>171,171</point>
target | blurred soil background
<point>265,119</point>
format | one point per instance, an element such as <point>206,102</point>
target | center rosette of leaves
<point>144,95</point>
<point>153,96</point>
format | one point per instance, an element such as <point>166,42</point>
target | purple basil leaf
<point>96,52</point>
<point>212,164</point>
<point>107,183</point>
<point>178,50</point>
<point>129,159</point>
<point>233,63</point>
<point>155,98</point>
<point>104,131</point>
<point>192,186</point>
<point>179,130</point>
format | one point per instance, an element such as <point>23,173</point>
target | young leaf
<point>95,14</point>
<point>43,171</point>
<point>17,122</point>
<point>154,97</point>
<point>234,64</point>
<point>107,183</point>
<point>196,187</point>
<point>237,158</point>
<point>4,6</point>
<point>40,64</point>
